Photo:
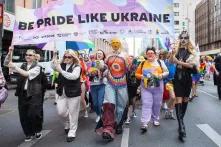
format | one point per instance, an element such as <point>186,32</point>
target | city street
<point>203,127</point>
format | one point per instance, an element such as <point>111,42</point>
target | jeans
<point>97,93</point>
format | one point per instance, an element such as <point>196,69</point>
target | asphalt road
<point>202,120</point>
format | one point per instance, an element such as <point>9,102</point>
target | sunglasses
<point>184,37</point>
<point>29,55</point>
<point>68,57</point>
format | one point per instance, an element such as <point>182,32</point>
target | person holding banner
<point>185,58</point>
<point>116,96</point>
<point>29,92</point>
<point>69,91</point>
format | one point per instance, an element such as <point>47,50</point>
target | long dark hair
<point>102,52</point>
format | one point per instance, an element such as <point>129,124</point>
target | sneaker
<point>29,138</point>
<point>164,106</point>
<point>119,129</point>
<point>86,114</point>
<point>144,128</point>
<point>38,135</point>
<point>128,121</point>
<point>156,123</point>
<point>70,139</point>
<point>172,116</point>
<point>134,115</point>
<point>166,115</point>
<point>97,119</point>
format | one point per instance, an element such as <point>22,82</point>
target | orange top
<point>83,71</point>
<point>152,67</point>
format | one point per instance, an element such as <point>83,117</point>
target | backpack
<point>142,63</point>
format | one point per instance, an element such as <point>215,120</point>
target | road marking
<point>208,93</point>
<point>211,133</point>
<point>125,138</point>
<point>31,143</point>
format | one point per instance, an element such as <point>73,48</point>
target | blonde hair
<point>31,50</point>
<point>73,54</point>
<point>190,48</point>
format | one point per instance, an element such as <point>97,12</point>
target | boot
<point>184,108</point>
<point>108,119</point>
<point>180,121</point>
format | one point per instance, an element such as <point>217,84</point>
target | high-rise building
<point>184,18</point>
<point>208,26</point>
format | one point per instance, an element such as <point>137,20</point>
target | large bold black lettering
<point>156,18</point>
<point>94,17</point>
<point>70,19</point>
<point>30,26</point>
<point>166,18</point>
<point>22,26</point>
<point>80,20</point>
<point>115,17</point>
<point>143,17</point>
<point>103,17</point>
<point>134,16</point>
<point>60,20</point>
<point>124,16</point>
<point>47,21</point>
<point>39,22</point>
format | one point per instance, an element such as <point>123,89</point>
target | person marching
<point>29,92</point>
<point>69,91</point>
<point>217,74</point>
<point>116,96</point>
<point>132,86</point>
<point>185,59</point>
<point>96,81</point>
<point>151,72</point>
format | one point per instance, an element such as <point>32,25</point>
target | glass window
<point>176,22</point>
<point>176,13</point>
<point>10,6</point>
<point>37,3</point>
<point>176,5</point>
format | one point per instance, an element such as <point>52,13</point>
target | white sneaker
<point>97,119</point>
<point>128,121</point>
<point>156,123</point>
<point>38,135</point>
<point>86,114</point>
<point>29,138</point>
<point>165,106</point>
<point>134,115</point>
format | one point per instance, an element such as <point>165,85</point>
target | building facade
<point>208,26</point>
<point>184,17</point>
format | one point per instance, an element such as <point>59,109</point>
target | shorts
<point>196,77</point>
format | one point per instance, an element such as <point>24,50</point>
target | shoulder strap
<point>160,64</point>
<point>142,63</point>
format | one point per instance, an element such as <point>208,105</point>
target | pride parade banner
<point>69,20</point>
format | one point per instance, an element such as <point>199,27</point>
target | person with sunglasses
<point>185,57</point>
<point>69,91</point>
<point>29,92</point>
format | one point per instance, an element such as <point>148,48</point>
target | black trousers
<point>30,113</point>
<point>219,91</point>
